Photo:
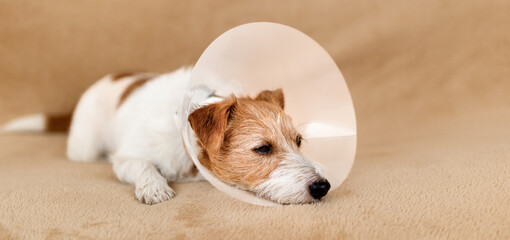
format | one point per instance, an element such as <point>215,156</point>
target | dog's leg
<point>84,143</point>
<point>150,186</point>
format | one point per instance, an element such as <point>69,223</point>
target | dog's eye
<point>264,149</point>
<point>298,140</point>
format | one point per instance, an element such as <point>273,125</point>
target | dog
<point>249,143</point>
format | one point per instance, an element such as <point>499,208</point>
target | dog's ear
<point>275,96</point>
<point>210,122</point>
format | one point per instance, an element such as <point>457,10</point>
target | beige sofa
<point>430,81</point>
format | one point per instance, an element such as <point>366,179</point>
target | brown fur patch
<point>275,96</point>
<point>210,123</point>
<point>58,123</point>
<point>190,173</point>
<point>133,87</point>
<point>194,171</point>
<point>121,75</point>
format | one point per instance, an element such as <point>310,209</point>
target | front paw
<point>154,193</point>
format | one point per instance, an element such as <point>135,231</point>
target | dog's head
<point>253,145</point>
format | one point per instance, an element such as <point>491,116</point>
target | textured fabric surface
<point>429,80</point>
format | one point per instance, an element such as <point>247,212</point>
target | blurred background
<point>405,61</point>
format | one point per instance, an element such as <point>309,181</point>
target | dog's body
<point>247,142</point>
<point>138,131</point>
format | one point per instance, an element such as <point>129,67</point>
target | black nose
<point>319,189</point>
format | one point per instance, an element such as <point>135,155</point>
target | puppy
<point>249,143</point>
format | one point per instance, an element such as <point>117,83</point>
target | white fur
<point>31,123</point>
<point>140,137</point>
<point>289,182</point>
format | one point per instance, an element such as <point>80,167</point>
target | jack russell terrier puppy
<point>249,143</point>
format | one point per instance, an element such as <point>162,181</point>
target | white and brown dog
<point>249,143</point>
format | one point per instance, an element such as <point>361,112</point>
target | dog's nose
<point>319,189</point>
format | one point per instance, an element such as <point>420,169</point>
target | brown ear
<point>210,122</point>
<point>275,96</point>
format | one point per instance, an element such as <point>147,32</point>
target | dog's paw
<point>154,193</point>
